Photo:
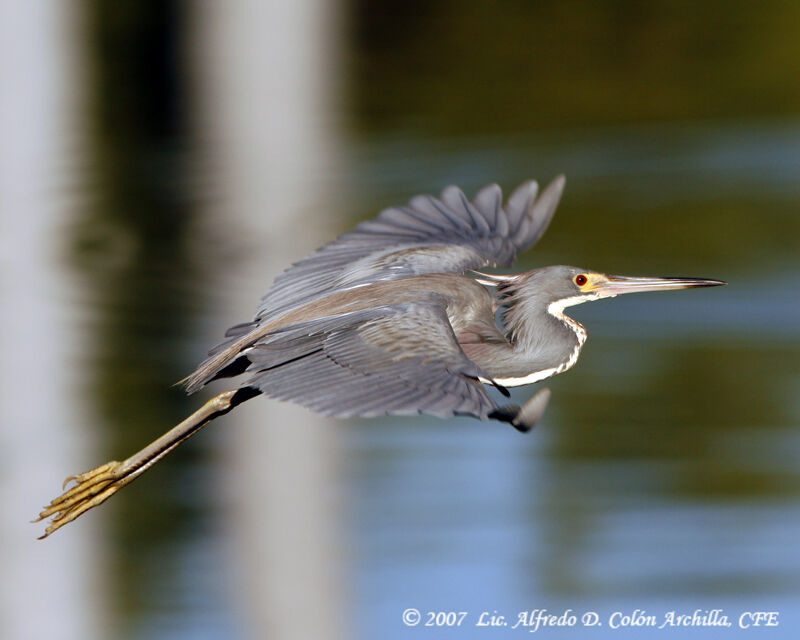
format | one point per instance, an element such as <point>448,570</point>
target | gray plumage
<point>401,359</point>
<point>429,236</point>
<point>383,320</point>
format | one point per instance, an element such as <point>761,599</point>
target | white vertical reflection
<point>48,588</point>
<point>265,74</point>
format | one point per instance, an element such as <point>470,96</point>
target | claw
<point>94,487</point>
<point>87,480</point>
<point>80,478</point>
<point>67,516</point>
<point>76,495</point>
<point>91,489</point>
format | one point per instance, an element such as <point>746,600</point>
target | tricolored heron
<point>385,320</point>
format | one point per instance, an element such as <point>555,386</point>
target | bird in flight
<point>394,318</point>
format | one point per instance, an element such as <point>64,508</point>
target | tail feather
<point>219,358</point>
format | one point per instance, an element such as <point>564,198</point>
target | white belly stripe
<point>536,376</point>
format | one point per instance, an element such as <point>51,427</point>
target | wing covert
<point>392,359</point>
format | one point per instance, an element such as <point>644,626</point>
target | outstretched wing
<point>392,359</point>
<point>429,235</point>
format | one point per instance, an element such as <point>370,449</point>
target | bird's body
<point>463,299</point>
<point>393,318</point>
<point>406,334</point>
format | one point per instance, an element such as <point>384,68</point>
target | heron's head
<point>563,286</point>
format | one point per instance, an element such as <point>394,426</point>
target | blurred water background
<point>162,161</point>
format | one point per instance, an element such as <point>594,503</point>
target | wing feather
<point>392,359</point>
<point>519,204</point>
<point>429,235</point>
<point>541,213</point>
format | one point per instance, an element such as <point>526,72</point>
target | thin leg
<point>98,485</point>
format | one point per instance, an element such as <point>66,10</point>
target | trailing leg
<point>94,487</point>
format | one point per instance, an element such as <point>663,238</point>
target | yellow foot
<point>91,489</point>
<point>98,485</point>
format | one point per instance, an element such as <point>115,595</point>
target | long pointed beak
<point>616,285</point>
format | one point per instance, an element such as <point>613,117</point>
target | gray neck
<point>540,335</point>
<point>544,342</point>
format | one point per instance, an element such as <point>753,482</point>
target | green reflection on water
<point>681,409</point>
<point>455,67</point>
<point>130,246</point>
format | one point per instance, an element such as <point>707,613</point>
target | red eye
<point>580,280</point>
